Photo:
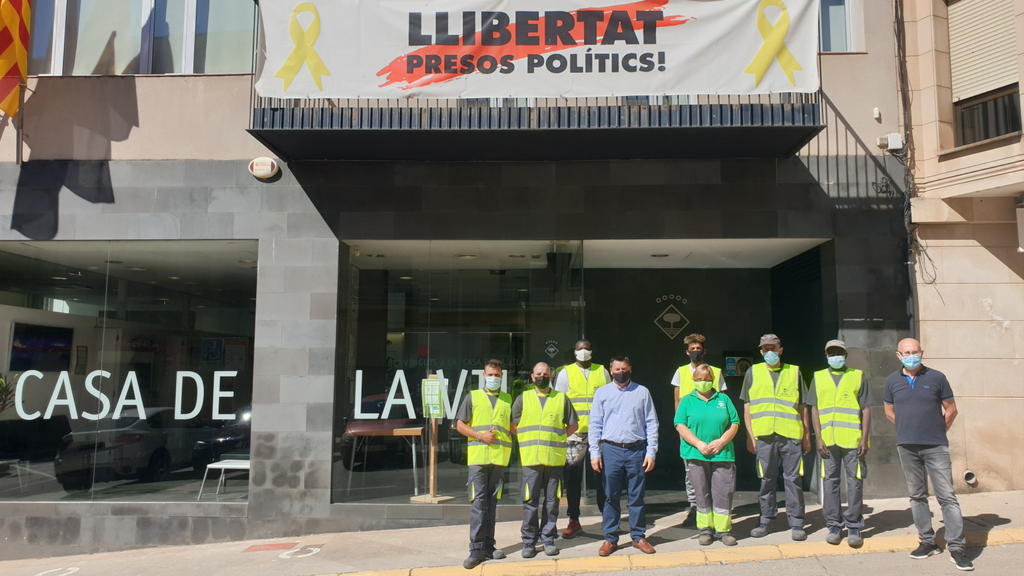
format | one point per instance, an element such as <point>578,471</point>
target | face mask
<point>621,377</point>
<point>837,362</point>
<point>492,382</point>
<point>695,355</point>
<point>584,355</point>
<point>703,387</point>
<point>543,382</point>
<point>911,362</point>
<point>771,357</point>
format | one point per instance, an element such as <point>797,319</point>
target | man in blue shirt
<point>623,444</point>
<point>919,401</point>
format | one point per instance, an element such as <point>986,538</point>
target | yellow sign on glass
<point>774,47</point>
<point>303,53</point>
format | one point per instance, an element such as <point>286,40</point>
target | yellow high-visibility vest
<point>581,391</point>
<point>541,431</point>
<point>838,408</point>
<point>773,409</point>
<point>497,420</point>
<point>686,384</point>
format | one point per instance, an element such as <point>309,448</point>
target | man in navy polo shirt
<point>919,401</point>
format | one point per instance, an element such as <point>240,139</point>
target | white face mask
<point>583,355</point>
<point>492,382</point>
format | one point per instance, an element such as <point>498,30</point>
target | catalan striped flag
<point>15,18</point>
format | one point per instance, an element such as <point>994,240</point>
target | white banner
<point>534,48</point>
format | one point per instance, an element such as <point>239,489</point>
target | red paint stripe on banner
<point>266,547</point>
<point>397,70</point>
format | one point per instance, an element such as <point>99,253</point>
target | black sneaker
<point>474,560</point>
<point>961,560</point>
<point>925,550</point>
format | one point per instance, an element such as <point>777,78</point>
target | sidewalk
<point>991,519</point>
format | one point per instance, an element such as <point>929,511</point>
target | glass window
<point>126,366</point>
<point>224,36</point>
<point>990,115</point>
<point>103,37</point>
<point>834,26</point>
<point>40,53</point>
<point>168,36</point>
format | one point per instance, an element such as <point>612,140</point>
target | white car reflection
<point>148,448</point>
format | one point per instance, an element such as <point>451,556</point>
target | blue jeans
<point>624,467</point>
<point>932,462</point>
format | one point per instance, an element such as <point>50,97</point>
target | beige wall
<point>135,118</point>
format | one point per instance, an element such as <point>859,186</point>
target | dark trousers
<point>770,451</point>
<point>484,489</point>
<point>624,468</point>
<point>831,498</point>
<point>540,483</point>
<point>921,463</point>
<point>572,481</point>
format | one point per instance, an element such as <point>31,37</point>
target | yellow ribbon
<point>303,53</point>
<point>774,47</point>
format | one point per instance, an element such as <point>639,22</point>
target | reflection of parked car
<point>148,448</point>
<point>234,438</point>
<point>391,448</point>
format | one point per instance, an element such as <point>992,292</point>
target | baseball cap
<point>770,339</point>
<point>835,344</point>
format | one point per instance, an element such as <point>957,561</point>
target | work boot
<point>572,529</point>
<point>706,538</point>
<point>551,550</point>
<point>799,535</point>
<point>494,554</point>
<point>691,518</point>
<point>760,532</point>
<point>474,560</point>
<point>728,539</point>
<point>854,539</point>
<point>529,550</point>
<point>835,535</point>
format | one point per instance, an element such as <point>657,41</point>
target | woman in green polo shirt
<point>707,422</point>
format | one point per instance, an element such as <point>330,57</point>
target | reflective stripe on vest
<point>773,408</point>
<point>686,384</point>
<point>498,420</point>
<point>838,408</point>
<point>541,430</point>
<point>581,391</point>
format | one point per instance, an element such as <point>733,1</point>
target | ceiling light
<point>659,255</point>
<point>191,283</point>
<point>152,281</point>
<point>517,255</point>
<point>200,306</point>
<point>405,277</point>
<point>246,261</point>
<point>58,277</point>
<point>173,278</point>
<point>163,299</point>
<point>434,299</point>
<point>94,267</point>
<point>467,256</point>
<point>524,289</point>
<point>136,268</point>
<point>113,262</point>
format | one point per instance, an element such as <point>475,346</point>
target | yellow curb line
<point>739,555</point>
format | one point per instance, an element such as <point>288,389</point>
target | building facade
<point>166,312</point>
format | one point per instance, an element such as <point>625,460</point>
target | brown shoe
<point>572,529</point>
<point>607,548</point>
<point>643,546</point>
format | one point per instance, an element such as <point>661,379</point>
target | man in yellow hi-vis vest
<point>542,419</point>
<point>776,416</point>
<point>682,381</point>
<point>485,418</point>
<point>579,381</point>
<point>840,401</point>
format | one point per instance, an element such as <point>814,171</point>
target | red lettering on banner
<point>422,67</point>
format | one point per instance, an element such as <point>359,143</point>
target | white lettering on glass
<point>406,399</point>
<point>95,392</point>
<point>131,384</point>
<point>63,384</point>
<point>218,394</point>
<point>19,395</point>
<point>360,415</point>
<point>451,404</point>
<point>179,383</point>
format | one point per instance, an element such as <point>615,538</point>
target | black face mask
<point>621,377</point>
<point>542,382</point>
<point>696,355</point>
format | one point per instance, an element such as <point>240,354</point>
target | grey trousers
<point>691,496</point>
<point>832,502</point>
<point>484,488</point>
<point>933,462</point>
<point>770,451</point>
<point>540,482</point>
<point>714,484</point>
